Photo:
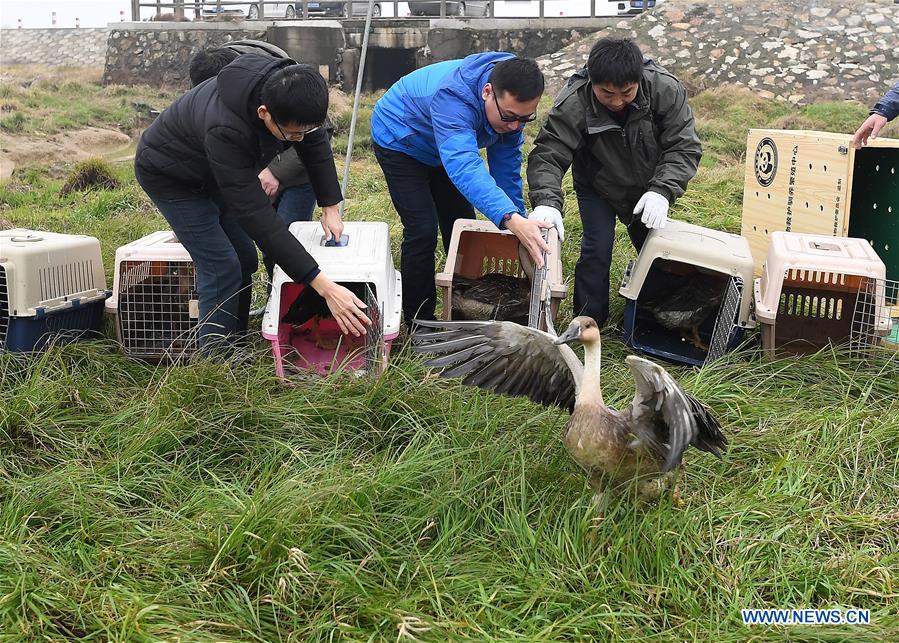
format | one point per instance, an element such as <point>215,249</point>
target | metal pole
<point>349,145</point>
<point>135,10</point>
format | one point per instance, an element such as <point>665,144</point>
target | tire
<point>486,10</point>
<point>253,12</point>
<point>290,13</point>
<point>376,11</point>
<point>460,10</point>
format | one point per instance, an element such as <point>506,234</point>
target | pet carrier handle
<point>628,273</point>
<point>538,291</point>
<point>337,243</point>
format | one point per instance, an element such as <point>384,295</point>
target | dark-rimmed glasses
<point>511,118</point>
<point>295,136</point>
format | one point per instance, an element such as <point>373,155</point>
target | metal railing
<point>197,10</point>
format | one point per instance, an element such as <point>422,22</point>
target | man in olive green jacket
<point>624,127</point>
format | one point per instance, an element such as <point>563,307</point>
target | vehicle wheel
<point>253,12</point>
<point>460,10</point>
<point>290,13</point>
<point>376,11</point>
<point>487,10</point>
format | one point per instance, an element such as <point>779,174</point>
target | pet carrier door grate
<point>4,307</point>
<point>375,359</point>
<point>877,301</point>
<point>156,308</point>
<point>727,320</point>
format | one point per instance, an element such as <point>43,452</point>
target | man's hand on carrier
<point>655,210</point>
<point>270,183</point>
<point>347,308</point>
<point>332,224</point>
<point>551,215</point>
<point>530,233</point>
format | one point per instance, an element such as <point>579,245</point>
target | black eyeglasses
<point>510,118</point>
<point>294,136</point>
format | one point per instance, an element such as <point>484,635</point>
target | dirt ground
<point>69,146</point>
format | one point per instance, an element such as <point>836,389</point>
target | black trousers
<point>591,274</point>
<point>426,200</point>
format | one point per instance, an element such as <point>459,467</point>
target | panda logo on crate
<point>765,162</point>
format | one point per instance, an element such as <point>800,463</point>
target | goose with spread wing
<point>643,442</point>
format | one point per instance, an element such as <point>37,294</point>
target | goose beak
<point>571,334</point>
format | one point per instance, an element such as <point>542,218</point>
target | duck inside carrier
<point>305,337</point>
<point>52,288</point>
<point>688,294</point>
<point>490,275</point>
<point>154,301</point>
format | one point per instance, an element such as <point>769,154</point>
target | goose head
<point>582,329</point>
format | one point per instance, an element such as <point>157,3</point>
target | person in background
<point>427,132</point>
<point>285,180</point>
<point>886,109</point>
<point>624,127</point>
<point>199,163</point>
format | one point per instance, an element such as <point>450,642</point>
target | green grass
<point>43,103</point>
<point>208,502</point>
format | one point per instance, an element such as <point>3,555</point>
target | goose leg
<point>696,340</point>
<point>602,497</point>
<point>676,499</point>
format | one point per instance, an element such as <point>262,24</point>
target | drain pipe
<point>349,145</point>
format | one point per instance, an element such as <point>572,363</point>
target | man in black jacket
<point>199,162</point>
<point>285,180</point>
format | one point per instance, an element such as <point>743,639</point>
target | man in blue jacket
<point>886,109</point>
<point>428,130</point>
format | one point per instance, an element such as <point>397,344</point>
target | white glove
<point>550,214</point>
<point>654,208</point>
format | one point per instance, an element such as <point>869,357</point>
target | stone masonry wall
<point>53,47</point>
<point>161,57</point>
<point>793,50</point>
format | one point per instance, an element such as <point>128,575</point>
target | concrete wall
<point>157,53</point>
<point>54,47</point>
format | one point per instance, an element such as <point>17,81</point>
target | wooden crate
<point>817,183</point>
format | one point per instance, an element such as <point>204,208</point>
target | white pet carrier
<point>154,301</point>
<point>51,286</point>
<point>362,262</point>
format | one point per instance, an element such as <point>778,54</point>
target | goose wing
<point>666,418</point>
<point>503,357</point>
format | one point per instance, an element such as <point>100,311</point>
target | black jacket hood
<point>240,83</point>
